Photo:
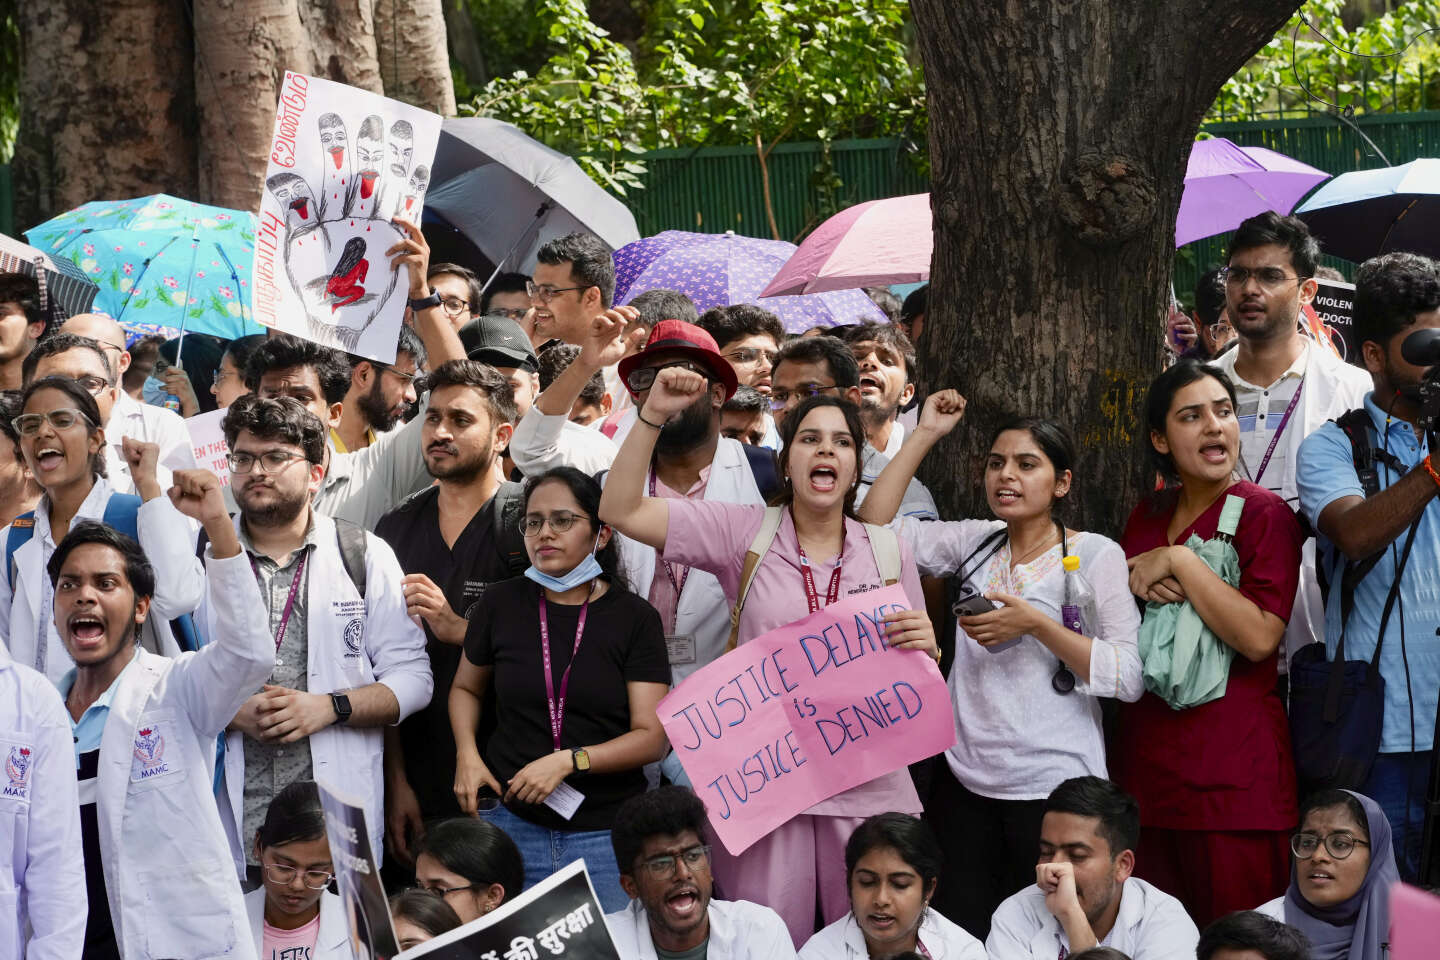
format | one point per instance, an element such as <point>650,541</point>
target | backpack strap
<point>351,540</point>
<point>885,547</point>
<point>122,511</point>
<point>22,528</point>
<point>760,546</point>
<point>764,468</point>
<point>505,527</point>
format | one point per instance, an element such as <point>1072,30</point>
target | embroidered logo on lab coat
<point>17,769</point>
<point>149,755</point>
<point>353,635</point>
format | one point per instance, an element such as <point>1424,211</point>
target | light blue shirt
<point>1325,473</point>
<point>88,730</point>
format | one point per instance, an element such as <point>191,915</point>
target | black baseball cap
<point>498,341</point>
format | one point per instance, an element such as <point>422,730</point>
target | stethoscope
<point>1063,681</point>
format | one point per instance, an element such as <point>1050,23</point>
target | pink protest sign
<point>1414,921</point>
<point>805,712</point>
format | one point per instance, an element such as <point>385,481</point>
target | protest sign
<point>559,915</point>
<point>804,712</point>
<point>1333,313</point>
<point>343,162</point>
<point>357,875</point>
<point>1414,922</point>
<point>207,442</point>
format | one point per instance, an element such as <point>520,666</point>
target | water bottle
<point>1078,610</point>
<point>171,402</point>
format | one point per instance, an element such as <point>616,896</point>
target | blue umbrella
<point>1365,213</point>
<point>161,262</point>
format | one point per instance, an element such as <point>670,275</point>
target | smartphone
<point>971,606</point>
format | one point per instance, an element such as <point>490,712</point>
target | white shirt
<point>363,485</point>
<point>917,501</point>
<point>1274,909</point>
<point>150,424</point>
<point>1151,925</point>
<point>896,441</point>
<point>544,441</point>
<point>1016,738</point>
<point>1260,411</point>
<point>844,940</point>
<point>739,930</point>
<point>332,940</point>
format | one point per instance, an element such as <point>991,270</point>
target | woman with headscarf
<point>1344,867</point>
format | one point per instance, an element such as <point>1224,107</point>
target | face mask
<point>588,570</point>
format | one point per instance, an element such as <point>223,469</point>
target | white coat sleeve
<point>239,652</point>
<point>54,883</point>
<point>1115,668</point>
<point>1010,932</point>
<point>384,473</point>
<point>544,442</point>
<point>173,438</point>
<point>168,539</point>
<point>1168,933</point>
<point>394,642</point>
<point>769,938</point>
<point>6,597</point>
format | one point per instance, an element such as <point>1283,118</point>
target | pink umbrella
<point>868,245</point>
<point>1225,184</point>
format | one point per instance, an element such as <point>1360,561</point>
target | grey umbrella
<point>509,194</point>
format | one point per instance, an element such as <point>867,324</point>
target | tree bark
<point>1059,133</point>
<point>106,104</point>
<point>414,58</point>
<point>464,46</point>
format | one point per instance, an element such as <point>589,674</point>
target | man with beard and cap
<point>887,381</point>
<point>502,343</point>
<point>380,394</point>
<point>347,659</point>
<point>369,162</point>
<point>1084,894</point>
<point>665,868</point>
<point>453,539</point>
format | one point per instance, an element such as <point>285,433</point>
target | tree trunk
<point>106,104</point>
<point>465,50</point>
<point>1059,133</point>
<point>414,59</point>
<point>341,35</point>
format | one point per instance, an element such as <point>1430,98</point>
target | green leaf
<point>698,21</point>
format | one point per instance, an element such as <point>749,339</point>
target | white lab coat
<point>332,941</point>
<point>168,540</point>
<point>1332,387</point>
<point>162,845</point>
<point>150,424</point>
<point>1150,925</point>
<point>544,441</point>
<point>42,868</point>
<point>844,940</point>
<point>739,930</point>
<point>352,643</point>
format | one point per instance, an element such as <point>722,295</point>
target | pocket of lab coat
<point>10,945</point>
<point>186,909</point>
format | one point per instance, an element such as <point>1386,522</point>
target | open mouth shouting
<point>87,631</point>
<point>824,478</point>
<point>1215,453</point>
<point>48,459</point>
<point>683,905</point>
<point>871,384</point>
<point>1007,496</point>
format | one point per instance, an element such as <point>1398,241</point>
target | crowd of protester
<point>456,586</point>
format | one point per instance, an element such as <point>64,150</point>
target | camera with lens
<point>1422,348</point>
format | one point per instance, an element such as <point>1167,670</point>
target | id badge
<point>681,648</point>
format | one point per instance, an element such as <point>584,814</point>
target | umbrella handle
<point>534,224</point>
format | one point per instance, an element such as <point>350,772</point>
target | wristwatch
<point>341,703</point>
<point>425,303</point>
<point>582,760</point>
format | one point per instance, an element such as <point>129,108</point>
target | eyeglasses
<point>28,424</point>
<point>513,313</point>
<point>271,461</point>
<point>781,399</point>
<point>1219,329</point>
<point>446,891</point>
<point>664,866</point>
<point>1340,845</point>
<point>559,522</point>
<point>748,355</point>
<point>643,378</point>
<point>93,385</point>
<point>281,873</point>
<point>544,292</point>
<point>407,377</point>
<point>1267,277</point>
<point>454,305</point>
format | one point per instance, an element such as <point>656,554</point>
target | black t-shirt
<point>623,643</point>
<point>463,573</point>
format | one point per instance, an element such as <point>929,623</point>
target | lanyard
<point>832,593</point>
<point>1265,462</point>
<point>556,709</point>
<point>920,949</point>
<point>677,582</point>
<point>289,598</point>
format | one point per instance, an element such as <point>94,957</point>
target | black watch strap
<point>341,703</point>
<point>425,303</point>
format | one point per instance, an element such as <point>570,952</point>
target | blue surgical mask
<point>587,570</point>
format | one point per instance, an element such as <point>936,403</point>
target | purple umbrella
<point>1225,184</point>
<point>721,269</point>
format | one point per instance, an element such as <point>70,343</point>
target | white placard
<point>207,441</point>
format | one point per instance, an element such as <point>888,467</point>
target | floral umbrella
<point>161,262</point>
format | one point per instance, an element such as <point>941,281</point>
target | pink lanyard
<point>920,949</point>
<point>832,593</point>
<point>1270,450</point>
<point>289,598</point>
<point>556,708</point>
<point>677,583</point>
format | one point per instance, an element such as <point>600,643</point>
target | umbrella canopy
<point>871,244</point>
<point>721,269</point>
<point>1365,213</point>
<point>67,291</point>
<point>1225,184</point>
<point>161,261</point>
<point>510,194</point>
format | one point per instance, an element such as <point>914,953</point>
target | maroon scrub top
<point>1224,765</point>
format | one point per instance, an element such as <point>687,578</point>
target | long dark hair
<point>791,426</point>
<point>477,850</point>
<point>295,815</point>
<point>586,492</point>
<point>1162,393</point>
<point>426,909</point>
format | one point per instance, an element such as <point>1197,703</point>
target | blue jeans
<point>1398,779</point>
<point>546,851</point>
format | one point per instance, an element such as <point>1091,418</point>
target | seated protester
<point>454,539</point>
<point>665,868</point>
<point>886,358</point>
<point>470,864</point>
<point>380,394</point>
<point>1084,894</point>
<point>816,540</point>
<point>19,493</point>
<point>127,416</point>
<point>892,863</point>
<point>1024,686</point>
<point>1339,893</point>
<point>749,337</point>
<point>1396,296</point>
<point>347,660</point>
<point>825,366</point>
<point>144,730</point>
<point>292,914</point>
<point>502,344</point>
<point>1251,935</point>
<point>419,916</point>
<point>229,384</point>
<point>595,738</point>
<point>593,404</point>
<point>746,416</point>
<point>42,868</point>
<point>1215,782</point>
<point>63,448</point>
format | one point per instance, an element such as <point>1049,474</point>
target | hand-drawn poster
<point>343,163</point>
